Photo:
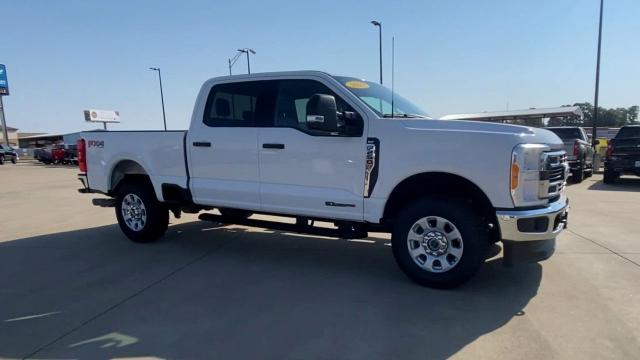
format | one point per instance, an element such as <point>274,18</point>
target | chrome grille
<point>553,174</point>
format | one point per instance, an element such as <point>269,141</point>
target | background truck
<point>623,154</point>
<point>579,151</point>
<point>319,147</point>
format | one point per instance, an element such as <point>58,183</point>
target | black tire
<point>235,214</point>
<point>578,175</point>
<point>1,159</point>
<point>474,239</point>
<point>157,214</point>
<point>14,160</point>
<point>609,177</point>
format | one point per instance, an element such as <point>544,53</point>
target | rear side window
<point>239,104</point>
<point>628,132</point>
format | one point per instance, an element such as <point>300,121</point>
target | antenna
<point>393,52</point>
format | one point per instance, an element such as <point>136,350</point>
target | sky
<point>452,56</point>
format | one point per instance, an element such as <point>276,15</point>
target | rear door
<point>306,172</point>
<point>223,144</point>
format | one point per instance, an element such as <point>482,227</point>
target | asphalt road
<point>72,286</point>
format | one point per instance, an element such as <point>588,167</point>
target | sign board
<point>4,83</point>
<point>104,116</point>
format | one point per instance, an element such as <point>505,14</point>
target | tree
<point>606,117</point>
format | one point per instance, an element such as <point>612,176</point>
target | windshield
<point>566,133</point>
<point>379,98</point>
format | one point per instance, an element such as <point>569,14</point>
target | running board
<point>353,233</point>
<point>104,202</point>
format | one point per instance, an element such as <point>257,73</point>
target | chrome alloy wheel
<point>133,212</point>
<point>435,244</point>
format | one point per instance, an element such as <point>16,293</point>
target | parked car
<point>64,154</point>
<point>579,151</point>
<point>623,154</point>
<point>43,155</point>
<point>314,146</point>
<point>7,153</point>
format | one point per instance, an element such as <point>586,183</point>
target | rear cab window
<point>567,133</point>
<point>628,132</point>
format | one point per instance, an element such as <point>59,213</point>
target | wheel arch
<point>126,169</point>
<point>441,184</point>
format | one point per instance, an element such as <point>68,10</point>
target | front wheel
<point>439,242</point>
<point>1,159</point>
<point>142,218</point>
<point>14,160</point>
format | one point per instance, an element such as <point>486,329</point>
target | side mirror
<point>322,113</point>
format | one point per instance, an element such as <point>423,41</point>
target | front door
<point>306,172</point>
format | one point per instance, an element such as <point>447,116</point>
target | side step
<point>104,202</point>
<point>344,232</point>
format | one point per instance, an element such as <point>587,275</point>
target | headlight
<point>526,163</point>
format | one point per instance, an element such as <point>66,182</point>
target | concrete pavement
<point>72,286</point>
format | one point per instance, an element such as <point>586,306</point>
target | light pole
<point>247,51</point>
<point>595,101</point>
<point>164,116</point>
<point>379,25</point>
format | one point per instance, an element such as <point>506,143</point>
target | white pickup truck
<point>314,146</point>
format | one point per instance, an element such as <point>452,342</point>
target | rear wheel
<point>610,176</point>
<point>142,218</point>
<point>439,242</point>
<point>1,159</point>
<point>589,172</point>
<point>578,175</point>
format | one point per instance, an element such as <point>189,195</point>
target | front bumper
<point>534,225</point>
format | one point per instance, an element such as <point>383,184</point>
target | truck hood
<point>520,134</point>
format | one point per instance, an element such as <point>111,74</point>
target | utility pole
<point>164,116</point>
<point>595,102</point>
<point>379,25</point>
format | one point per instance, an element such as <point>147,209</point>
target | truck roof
<point>271,74</point>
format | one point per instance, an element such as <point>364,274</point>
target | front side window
<point>248,103</point>
<point>380,99</point>
<point>293,96</point>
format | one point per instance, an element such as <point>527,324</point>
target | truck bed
<point>160,154</point>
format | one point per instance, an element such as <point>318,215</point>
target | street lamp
<point>594,130</point>
<point>379,25</point>
<point>247,51</point>
<point>164,117</point>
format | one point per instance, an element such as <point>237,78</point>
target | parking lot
<point>72,286</point>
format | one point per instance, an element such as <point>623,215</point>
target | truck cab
<point>315,146</point>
